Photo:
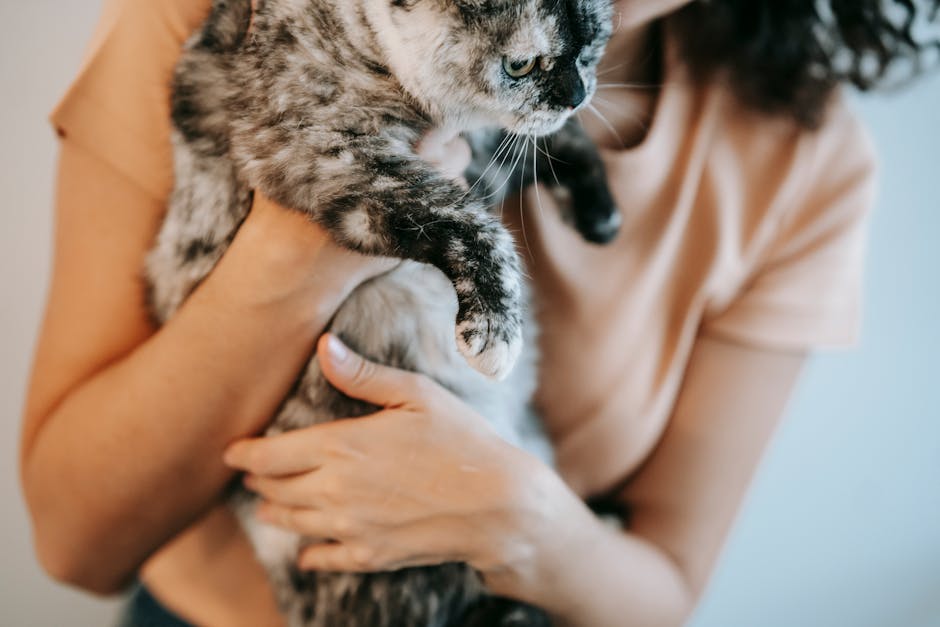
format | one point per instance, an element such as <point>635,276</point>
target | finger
<point>357,557</point>
<point>360,378</point>
<point>311,523</point>
<point>293,491</point>
<point>339,557</point>
<point>289,453</point>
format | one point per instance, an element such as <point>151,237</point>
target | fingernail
<point>338,351</point>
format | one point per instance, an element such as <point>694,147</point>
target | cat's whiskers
<point>633,86</point>
<point>421,227</point>
<point>525,238</point>
<point>605,122</point>
<point>502,201</point>
<point>612,69</point>
<point>502,145</point>
<point>628,110</point>
<point>508,154</point>
<point>550,158</point>
<point>517,156</point>
<point>535,177</point>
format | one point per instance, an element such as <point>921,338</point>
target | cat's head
<point>525,65</point>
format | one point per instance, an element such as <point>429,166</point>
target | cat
<point>319,104</point>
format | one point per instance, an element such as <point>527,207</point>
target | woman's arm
<point>124,427</point>
<point>682,501</point>
<point>465,495</point>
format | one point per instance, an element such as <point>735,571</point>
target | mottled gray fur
<point>319,104</point>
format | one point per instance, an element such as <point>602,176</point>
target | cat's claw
<point>490,349</point>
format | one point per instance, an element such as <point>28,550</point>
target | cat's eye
<point>520,68</point>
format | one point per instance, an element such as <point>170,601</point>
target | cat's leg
<point>570,163</point>
<point>436,222</point>
<point>396,205</point>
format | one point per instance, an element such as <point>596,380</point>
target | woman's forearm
<point>609,578</point>
<point>589,574</point>
<point>133,455</point>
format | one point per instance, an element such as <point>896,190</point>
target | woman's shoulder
<point>117,107</point>
<point>175,19</point>
<point>767,146</point>
<point>793,214</point>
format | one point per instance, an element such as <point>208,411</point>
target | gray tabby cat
<point>319,104</point>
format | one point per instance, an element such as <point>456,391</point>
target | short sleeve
<point>806,289</point>
<point>118,107</point>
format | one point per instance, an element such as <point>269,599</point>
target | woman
<point>668,356</point>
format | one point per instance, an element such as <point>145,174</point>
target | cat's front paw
<point>491,344</point>
<point>591,210</point>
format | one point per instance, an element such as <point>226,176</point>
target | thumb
<point>357,377</point>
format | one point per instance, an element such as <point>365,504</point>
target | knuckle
<point>331,487</point>
<point>344,526</point>
<point>362,557</point>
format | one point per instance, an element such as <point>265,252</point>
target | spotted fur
<point>319,104</point>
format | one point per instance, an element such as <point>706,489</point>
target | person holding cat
<point>744,184</point>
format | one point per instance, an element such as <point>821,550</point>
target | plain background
<point>842,526</point>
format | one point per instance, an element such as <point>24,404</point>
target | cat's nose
<point>570,91</point>
<point>577,94</point>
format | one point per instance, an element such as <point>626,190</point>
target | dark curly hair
<point>787,56</point>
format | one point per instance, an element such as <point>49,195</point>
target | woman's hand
<point>423,481</point>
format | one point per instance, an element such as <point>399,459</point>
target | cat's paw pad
<point>490,349</point>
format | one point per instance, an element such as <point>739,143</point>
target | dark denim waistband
<point>143,610</point>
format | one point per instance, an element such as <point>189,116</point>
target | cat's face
<point>525,65</point>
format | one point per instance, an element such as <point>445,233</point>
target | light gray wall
<point>843,524</point>
<point>40,50</point>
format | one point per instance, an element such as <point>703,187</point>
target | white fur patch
<point>273,546</point>
<point>357,227</point>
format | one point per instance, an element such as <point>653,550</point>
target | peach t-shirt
<point>736,225</point>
